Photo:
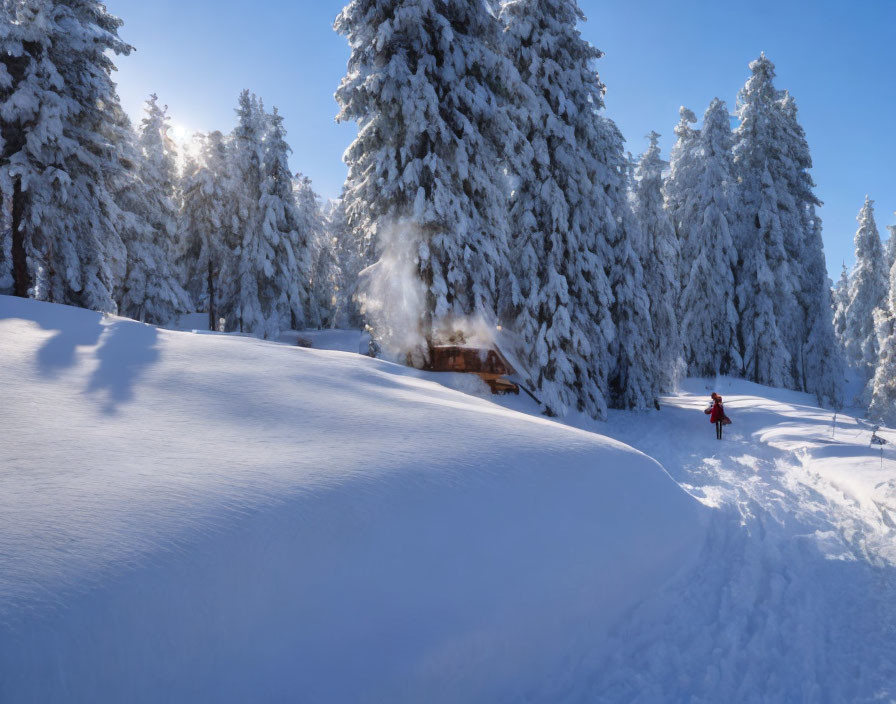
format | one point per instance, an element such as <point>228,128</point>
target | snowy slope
<point>794,596</point>
<point>189,517</point>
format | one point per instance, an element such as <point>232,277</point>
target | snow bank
<point>191,517</point>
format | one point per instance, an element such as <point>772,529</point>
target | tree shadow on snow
<point>127,349</point>
<point>72,331</point>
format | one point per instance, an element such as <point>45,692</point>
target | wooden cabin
<point>486,362</point>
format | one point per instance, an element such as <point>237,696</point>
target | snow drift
<point>215,518</point>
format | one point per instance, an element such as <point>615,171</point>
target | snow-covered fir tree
<point>701,190</point>
<point>325,277</point>
<point>817,365</point>
<point>661,262</point>
<point>840,296</point>
<point>206,246</point>
<point>766,285</point>
<point>241,309</point>
<point>633,381</point>
<point>882,408</point>
<point>60,151</point>
<point>427,84</point>
<point>868,288</point>
<point>891,247</point>
<point>151,291</point>
<point>351,259</point>
<point>32,112</point>
<point>678,187</point>
<point>285,240</point>
<point>252,278</point>
<point>560,213</point>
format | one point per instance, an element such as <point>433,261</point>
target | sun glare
<point>180,134</point>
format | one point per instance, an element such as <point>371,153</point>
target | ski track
<point>794,597</point>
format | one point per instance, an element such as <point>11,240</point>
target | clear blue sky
<point>837,59</point>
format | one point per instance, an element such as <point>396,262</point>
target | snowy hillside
<point>189,517</point>
<point>794,595</point>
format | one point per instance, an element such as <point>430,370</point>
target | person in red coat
<point>717,414</point>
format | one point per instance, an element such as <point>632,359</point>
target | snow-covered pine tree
<point>679,184</point>
<point>891,247</point>
<point>765,283</point>
<point>810,336</point>
<point>633,380</point>
<point>286,240</point>
<point>868,288</point>
<point>206,243</point>
<point>350,260</point>
<point>239,309</point>
<point>661,263</point>
<point>427,84</point>
<point>59,156</point>
<point>882,408</point>
<point>840,295</point>
<point>242,308</point>
<point>32,111</point>
<point>560,211</point>
<point>151,291</point>
<point>823,365</point>
<point>325,275</point>
<point>702,188</point>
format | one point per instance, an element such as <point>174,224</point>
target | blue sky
<point>837,59</point>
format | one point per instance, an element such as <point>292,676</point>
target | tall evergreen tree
<point>427,85</point>
<point>840,295</point>
<point>891,247</point>
<point>151,291</point>
<point>633,380</point>
<point>58,159</point>
<point>285,239</point>
<point>882,408</point>
<point>206,242</point>
<point>809,335</point>
<point>703,189</point>
<point>661,263</point>
<point>822,362</point>
<point>325,274</point>
<point>867,293</point>
<point>766,285</point>
<point>242,308</point>
<point>683,164</point>
<point>350,261</point>
<point>560,214</point>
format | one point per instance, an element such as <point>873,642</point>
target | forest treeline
<point>486,185</point>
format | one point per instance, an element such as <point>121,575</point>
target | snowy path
<point>794,598</point>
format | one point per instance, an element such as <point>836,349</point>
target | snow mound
<point>190,517</point>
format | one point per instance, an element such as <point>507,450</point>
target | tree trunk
<point>20,276</point>
<point>212,322</point>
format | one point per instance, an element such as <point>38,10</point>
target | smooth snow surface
<point>212,518</point>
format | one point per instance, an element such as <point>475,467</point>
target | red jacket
<point>718,412</point>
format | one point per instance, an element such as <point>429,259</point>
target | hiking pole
<point>878,440</point>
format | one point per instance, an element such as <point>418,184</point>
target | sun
<point>179,133</point>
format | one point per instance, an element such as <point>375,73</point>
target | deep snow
<point>203,517</point>
<point>794,596</point>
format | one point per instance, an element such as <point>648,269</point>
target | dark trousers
<point>719,429</point>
